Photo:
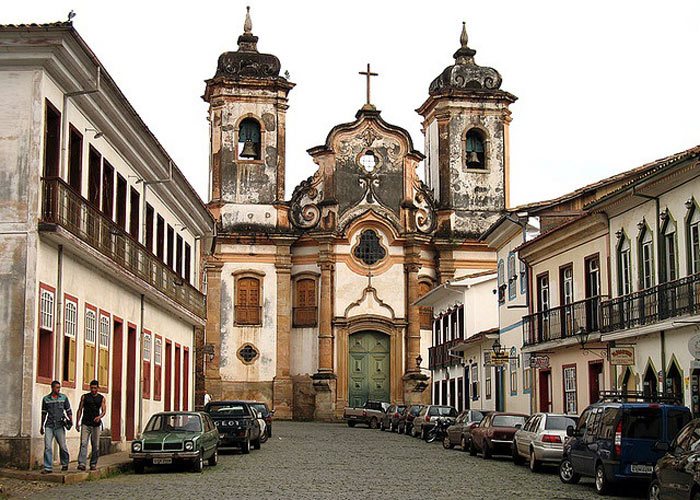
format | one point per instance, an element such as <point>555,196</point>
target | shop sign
<point>694,346</point>
<point>490,359</point>
<point>540,362</point>
<point>622,355</point>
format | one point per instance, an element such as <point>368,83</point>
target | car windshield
<point>442,411</point>
<point>559,423</point>
<point>415,410</point>
<point>261,408</point>
<point>477,416</point>
<point>677,418</point>
<point>642,423</point>
<point>507,420</point>
<point>400,408</point>
<point>174,423</point>
<point>228,409</point>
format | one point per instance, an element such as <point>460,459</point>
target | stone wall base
<point>304,398</point>
<point>16,452</point>
<point>283,398</point>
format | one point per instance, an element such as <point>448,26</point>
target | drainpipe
<point>140,369</point>
<point>59,308</point>
<point>662,336</point>
<point>193,368</point>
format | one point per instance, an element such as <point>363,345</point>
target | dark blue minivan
<point>618,440</point>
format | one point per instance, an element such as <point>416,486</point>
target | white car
<point>541,439</point>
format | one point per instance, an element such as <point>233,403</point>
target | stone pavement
<point>314,460</point>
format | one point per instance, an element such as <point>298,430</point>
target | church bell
<point>249,150</point>
<point>473,159</point>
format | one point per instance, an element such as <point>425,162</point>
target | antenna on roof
<point>71,15</point>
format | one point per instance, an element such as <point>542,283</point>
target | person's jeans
<point>91,434</point>
<point>58,433</point>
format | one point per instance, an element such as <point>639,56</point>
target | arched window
<point>305,309</point>
<point>501,282</point>
<point>646,258</point>
<point>426,313</point>
<point>669,252</point>
<point>694,240</point>
<point>475,149</point>
<point>249,139</point>
<point>248,301</point>
<point>624,270</point>
<point>512,276</point>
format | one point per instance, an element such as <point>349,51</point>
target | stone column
<point>212,374</point>
<point>282,389</point>
<point>415,382</point>
<point>325,378</point>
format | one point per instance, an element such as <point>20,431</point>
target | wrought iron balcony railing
<point>66,208</point>
<point>304,316</point>
<point>660,302</point>
<point>562,322</point>
<point>440,357</point>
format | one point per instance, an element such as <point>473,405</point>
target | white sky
<point>603,86</point>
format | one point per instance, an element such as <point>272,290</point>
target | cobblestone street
<point>311,460</point>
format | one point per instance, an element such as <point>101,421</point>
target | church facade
<point>311,300</point>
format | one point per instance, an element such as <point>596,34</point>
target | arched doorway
<point>674,381</point>
<point>650,387</point>
<point>368,368</point>
<point>628,384</point>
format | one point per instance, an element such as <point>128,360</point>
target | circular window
<point>368,161</point>
<point>248,354</point>
<point>369,249</point>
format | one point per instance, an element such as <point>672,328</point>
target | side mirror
<point>662,446</point>
<point>570,431</point>
<point>518,426</point>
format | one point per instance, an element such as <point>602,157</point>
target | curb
<point>69,477</point>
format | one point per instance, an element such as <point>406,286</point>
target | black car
<point>237,422</point>
<point>677,473</point>
<point>266,414</point>
<point>391,418</point>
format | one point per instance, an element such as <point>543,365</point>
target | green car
<point>176,437</point>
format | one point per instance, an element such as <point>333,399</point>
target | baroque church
<point>311,300</point>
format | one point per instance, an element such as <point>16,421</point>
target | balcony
<point>646,307</point>
<point>562,322</point>
<point>67,209</point>
<point>440,357</point>
<point>304,316</point>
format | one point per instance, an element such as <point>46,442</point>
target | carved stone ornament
<point>424,215</point>
<point>304,210</point>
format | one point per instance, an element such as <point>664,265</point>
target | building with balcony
<point>464,330</point>
<point>654,303</point>
<point>100,246</point>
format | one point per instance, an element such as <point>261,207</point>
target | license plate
<point>641,469</point>
<point>162,461</point>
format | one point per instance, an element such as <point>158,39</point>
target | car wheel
<point>423,435</point>
<point>533,463</point>
<point>198,463</point>
<point>245,449</point>
<point>566,472</point>
<point>373,423</point>
<point>269,431</point>
<point>391,426</point>
<point>256,444</point>
<point>351,423</point>
<point>381,426</point>
<point>264,437</point>
<point>463,443</point>
<point>517,459</point>
<point>472,448</point>
<point>139,467</point>
<point>602,485</point>
<point>655,490</point>
<point>447,444</point>
<point>214,459</point>
<point>487,451</point>
<point>399,429</point>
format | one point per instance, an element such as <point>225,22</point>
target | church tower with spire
<point>466,119</point>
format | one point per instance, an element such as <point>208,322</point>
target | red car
<point>494,435</point>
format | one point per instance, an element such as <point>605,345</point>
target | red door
<point>177,377</point>
<point>130,381</point>
<point>595,376</point>
<point>168,374</point>
<point>185,379</point>
<point>545,391</point>
<point>116,411</point>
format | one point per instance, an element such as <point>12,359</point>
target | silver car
<point>541,439</point>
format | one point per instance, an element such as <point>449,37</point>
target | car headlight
<point>189,445</point>
<point>136,446</point>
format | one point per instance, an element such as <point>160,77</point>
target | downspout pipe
<point>140,369</point>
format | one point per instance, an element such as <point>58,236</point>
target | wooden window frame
<point>565,391</point>
<point>94,177</point>
<point>177,376</point>
<point>111,320</point>
<point>70,342</point>
<point>512,277</point>
<point>187,269</point>
<point>108,188</point>
<point>87,378</point>
<point>121,199</point>
<point>52,156</point>
<point>47,330</point>
<point>248,274</point>
<point>158,367</point>
<point>146,357</point>
<point>170,243</point>
<point>75,159</point>
<point>134,213</point>
<point>179,255</point>
<point>425,313</point>
<point>298,317</point>
<point>185,406</point>
<point>693,266</point>
<point>160,237</point>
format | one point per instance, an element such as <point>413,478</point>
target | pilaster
<point>213,329</point>
<point>283,393</point>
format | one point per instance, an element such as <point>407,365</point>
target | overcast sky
<point>603,86</point>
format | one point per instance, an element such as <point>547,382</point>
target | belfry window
<point>369,250</point>
<point>475,149</point>
<point>249,140</point>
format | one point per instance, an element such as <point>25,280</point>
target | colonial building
<point>312,301</point>
<point>100,238</point>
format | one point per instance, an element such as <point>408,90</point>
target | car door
<point>455,431</point>
<point>479,433</point>
<point>579,452</point>
<point>677,468</point>
<point>212,433</point>
<point>524,435</point>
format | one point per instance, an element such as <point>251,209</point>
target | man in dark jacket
<point>56,415</point>
<point>92,408</point>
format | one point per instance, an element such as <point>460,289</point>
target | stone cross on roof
<point>369,75</point>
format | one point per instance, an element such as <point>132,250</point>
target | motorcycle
<point>439,430</point>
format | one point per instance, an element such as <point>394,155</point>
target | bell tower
<point>247,112</point>
<point>466,119</point>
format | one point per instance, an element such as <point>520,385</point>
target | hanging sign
<point>621,355</point>
<point>539,362</point>
<point>694,346</point>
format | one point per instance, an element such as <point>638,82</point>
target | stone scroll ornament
<point>425,207</point>
<point>304,210</point>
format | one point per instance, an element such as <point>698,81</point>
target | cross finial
<point>369,75</point>
<point>248,24</point>
<point>463,38</point>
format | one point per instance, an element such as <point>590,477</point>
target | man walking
<point>92,408</point>
<point>56,416</point>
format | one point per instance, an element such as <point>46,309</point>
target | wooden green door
<point>369,368</point>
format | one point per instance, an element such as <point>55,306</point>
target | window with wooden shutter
<point>103,351</point>
<point>89,356</point>
<point>305,310</point>
<point>426,313</point>
<point>146,369</point>
<point>70,330</point>
<point>45,342</point>
<point>157,370</point>
<point>248,301</point>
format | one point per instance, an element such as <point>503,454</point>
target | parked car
<point>425,418</point>
<point>677,473</point>
<point>617,440</point>
<point>370,414</point>
<point>176,437</point>
<point>237,423</point>
<point>541,439</point>
<point>405,424</point>
<point>459,434</point>
<point>391,417</point>
<point>266,413</point>
<point>494,434</point>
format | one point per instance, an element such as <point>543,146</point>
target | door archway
<point>674,381</point>
<point>369,368</point>
<point>650,385</point>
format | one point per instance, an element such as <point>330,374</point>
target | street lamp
<point>419,360</point>
<point>497,348</point>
